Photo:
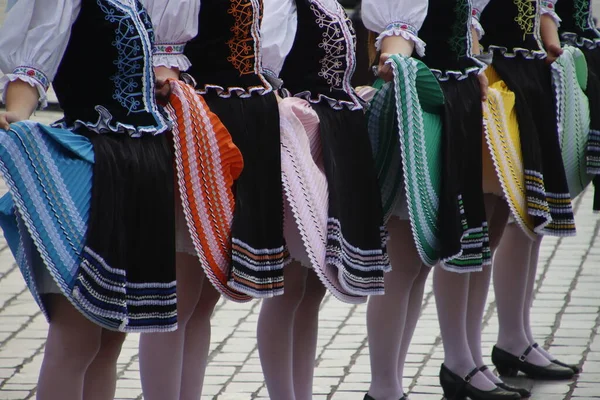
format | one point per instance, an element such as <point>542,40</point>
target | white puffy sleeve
<point>277,32</point>
<point>33,40</point>
<point>175,23</point>
<point>396,18</point>
<point>548,7</point>
<point>478,6</point>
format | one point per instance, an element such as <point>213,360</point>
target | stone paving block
<point>13,394</point>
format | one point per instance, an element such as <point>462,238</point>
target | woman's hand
<point>9,117</point>
<point>21,102</point>
<point>392,45</point>
<point>163,89</point>
<point>550,38</point>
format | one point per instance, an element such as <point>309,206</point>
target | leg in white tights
<point>275,333</point>
<point>512,272</point>
<point>415,304</point>
<point>497,212</point>
<point>387,314</point>
<point>161,354</point>
<point>533,262</point>
<point>451,296</point>
<point>72,345</point>
<point>197,344</point>
<point>100,380</point>
<point>306,332</point>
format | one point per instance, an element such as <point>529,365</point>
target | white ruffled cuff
<point>475,16</point>
<point>32,76</point>
<point>548,8</point>
<point>171,56</point>
<point>407,31</point>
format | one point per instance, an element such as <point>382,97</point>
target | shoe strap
<point>523,356</point>
<point>471,374</point>
<point>483,368</point>
<point>535,345</point>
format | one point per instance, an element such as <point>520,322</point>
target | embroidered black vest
<point>225,55</point>
<point>105,80</point>
<point>323,57</point>
<point>512,27</point>
<point>447,33</point>
<point>577,23</point>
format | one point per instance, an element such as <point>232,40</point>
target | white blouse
<point>33,40</point>
<point>175,23</point>
<point>396,18</point>
<point>277,34</point>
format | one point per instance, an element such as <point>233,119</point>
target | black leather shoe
<point>367,397</point>
<point>457,388</point>
<point>510,365</point>
<point>575,368</point>
<point>524,393</point>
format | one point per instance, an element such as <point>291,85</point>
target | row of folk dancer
<point>223,148</point>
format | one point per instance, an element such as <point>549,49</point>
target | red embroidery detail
<point>30,72</point>
<point>169,49</point>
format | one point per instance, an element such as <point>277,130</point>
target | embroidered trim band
<point>33,73</point>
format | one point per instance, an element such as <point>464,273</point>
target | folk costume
<point>512,36</point>
<point>217,44</point>
<point>325,146</point>
<point>519,64</point>
<point>90,209</point>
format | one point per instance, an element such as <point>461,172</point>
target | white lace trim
<point>547,8</point>
<point>579,41</point>
<point>179,61</point>
<point>407,32</point>
<point>107,124</point>
<point>478,28</point>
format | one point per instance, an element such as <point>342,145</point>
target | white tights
<point>392,318</point>
<point>80,359</point>
<point>287,335</point>
<point>515,269</point>
<point>172,364</point>
<point>461,300</point>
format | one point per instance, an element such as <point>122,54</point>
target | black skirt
<point>356,237</point>
<point>128,262</point>
<point>548,196</point>
<point>462,220</point>
<point>259,252</point>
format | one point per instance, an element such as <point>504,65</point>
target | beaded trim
<point>33,73</point>
<point>169,49</point>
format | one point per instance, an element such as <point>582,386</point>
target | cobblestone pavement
<point>566,318</point>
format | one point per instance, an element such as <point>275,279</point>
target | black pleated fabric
<point>130,242</point>
<point>258,248</point>
<point>355,239</point>
<point>465,241</point>
<point>548,196</point>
